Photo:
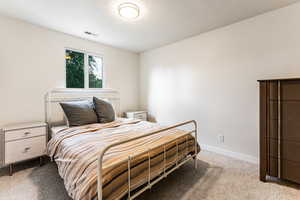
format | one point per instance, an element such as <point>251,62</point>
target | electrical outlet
<point>221,138</point>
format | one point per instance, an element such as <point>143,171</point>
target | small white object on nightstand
<point>22,142</point>
<point>142,115</point>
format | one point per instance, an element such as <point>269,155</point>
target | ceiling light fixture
<point>129,11</point>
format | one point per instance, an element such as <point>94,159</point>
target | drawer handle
<point>26,149</point>
<point>26,133</point>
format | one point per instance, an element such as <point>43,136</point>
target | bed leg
<point>41,161</point>
<point>195,162</point>
<point>195,143</point>
<point>129,178</point>
<point>11,170</point>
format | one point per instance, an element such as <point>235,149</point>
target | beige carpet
<point>217,178</point>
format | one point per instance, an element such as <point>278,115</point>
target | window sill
<point>83,90</point>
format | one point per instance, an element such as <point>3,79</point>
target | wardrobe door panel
<point>291,121</point>
<point>290,170</point>
<point>287,151</point>
<point>273,109</point>
<point>290,90</point>
<point>273,148</point>
<point>273,129</point>
<point>273,90</point>
<point>290,151</point>
<point>273,167</point>
<point>263,129</point>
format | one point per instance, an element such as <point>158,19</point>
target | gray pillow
<point>104,110</point>
<point>79,112</point>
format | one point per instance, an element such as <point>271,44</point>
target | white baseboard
<point>236,155</point>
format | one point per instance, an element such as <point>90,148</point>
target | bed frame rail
<point>166,171</point>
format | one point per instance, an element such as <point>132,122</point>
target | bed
<point>117,159</point>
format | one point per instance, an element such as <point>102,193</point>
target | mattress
<point>75,150</point>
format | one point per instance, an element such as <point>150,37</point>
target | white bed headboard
<point>53,112</point>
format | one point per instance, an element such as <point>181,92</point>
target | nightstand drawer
<point>142,116</point>
<point>24,133</point>
<point>24,149</point>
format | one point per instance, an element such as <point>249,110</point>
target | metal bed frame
<point>166,170</point>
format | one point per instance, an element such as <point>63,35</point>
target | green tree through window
<point>76,69</point>
<point>95,74</point>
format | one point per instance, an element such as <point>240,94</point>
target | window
<point>83,70</point>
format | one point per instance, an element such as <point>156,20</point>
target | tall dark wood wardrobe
<point>280,129</point>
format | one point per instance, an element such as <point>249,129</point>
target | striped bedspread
<point>76,149</point>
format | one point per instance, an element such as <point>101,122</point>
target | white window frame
<point>86,68</point>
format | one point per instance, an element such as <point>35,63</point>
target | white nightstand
<point>137,115</point>
<point>22,142</point>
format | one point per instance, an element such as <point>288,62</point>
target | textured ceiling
<point>161,22</point>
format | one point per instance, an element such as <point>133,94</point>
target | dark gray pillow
<point>104,110</point>
<point>79,112</point>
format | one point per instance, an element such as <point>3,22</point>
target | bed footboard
<point>166,171</point>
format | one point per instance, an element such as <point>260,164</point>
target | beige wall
<point>213,77</point>
<point>32,62</point>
